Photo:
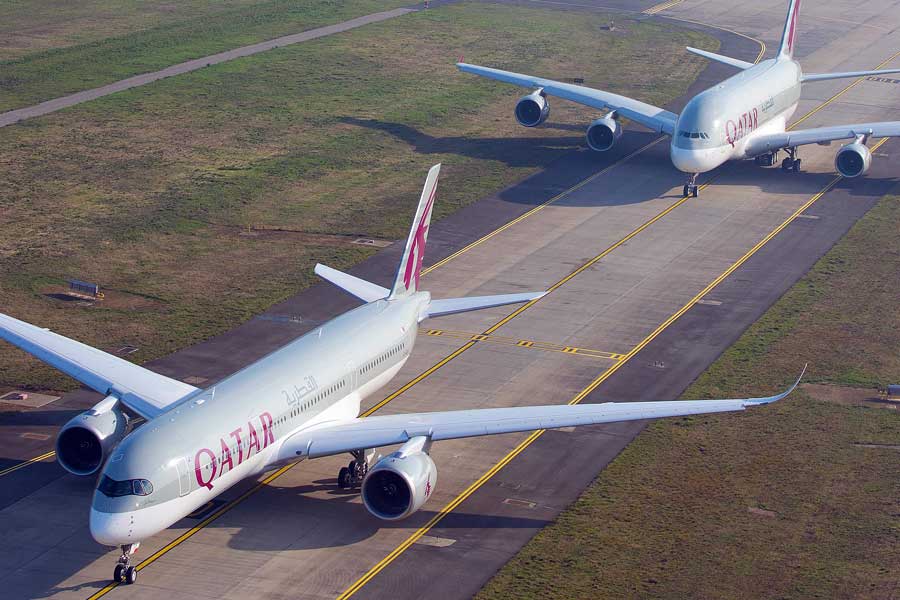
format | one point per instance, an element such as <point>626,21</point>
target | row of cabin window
<point>342,383</point>
<point>382,358</point>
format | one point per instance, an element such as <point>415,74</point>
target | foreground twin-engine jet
<point>745,116</point>
<point>302,401</point>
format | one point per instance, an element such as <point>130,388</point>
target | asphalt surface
<point>299,536</point>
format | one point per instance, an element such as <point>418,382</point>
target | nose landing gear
<point>690,188</point>
<point>125,572</point>
<point>791,163</point>
<point>353,474</point>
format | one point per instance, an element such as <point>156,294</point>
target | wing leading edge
<point>649,116</point>
<point>374,432</point>
<point>776,141</point>
<point>142,390</point>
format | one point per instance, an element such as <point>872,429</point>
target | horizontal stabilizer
<point>437,308</point>
<point>845,75</point>
<point>732,62</point>
<point>362,289</point>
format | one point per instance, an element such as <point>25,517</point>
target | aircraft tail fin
<point>732,62</point>
<point>786,50</point>
<point>407,281</point>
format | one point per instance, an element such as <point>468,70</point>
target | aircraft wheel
<point>787,164</point>
<point>685,190</point>
<point>695,191</point>
<point>130,575</point>
<point>344,478</point>
<point>119,573</point>
<point>796,166</point>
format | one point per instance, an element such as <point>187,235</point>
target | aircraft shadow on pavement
<point>339,520</point>
<point>564,161</point>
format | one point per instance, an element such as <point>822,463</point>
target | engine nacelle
<point>603,133</point>
<point>853,159</point>
<point>533,109</point>
<point>84,442</point>
<point>399,484</point>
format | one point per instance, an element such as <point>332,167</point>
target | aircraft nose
<point>686,160</point>
<point>112,529</point>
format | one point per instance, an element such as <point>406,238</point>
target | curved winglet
<point>777,397</point>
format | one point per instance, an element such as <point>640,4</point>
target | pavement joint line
<point>449,507</point>
<point>537,345</point>
<point>524,444</point>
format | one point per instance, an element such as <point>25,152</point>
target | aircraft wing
<point>145,392</point>
<point>821,135</point>
<point>649,116</point>
<point>373,432</point>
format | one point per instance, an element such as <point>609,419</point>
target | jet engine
<point>533,109</point>
<point>603,133</point>
<point>399,484</point>
<point>853,159</point>
<point>84,442</point>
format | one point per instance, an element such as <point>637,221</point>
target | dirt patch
<point>849,396</point>
<point>112,299</point>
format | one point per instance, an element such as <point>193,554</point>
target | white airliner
<point>302,401</point>
<point>745,116</point>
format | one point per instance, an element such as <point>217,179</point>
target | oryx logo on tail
<point>407,281</point>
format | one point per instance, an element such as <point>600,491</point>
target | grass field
<point>151,192</point>
<point>50,48</point>
<point>799,500</point>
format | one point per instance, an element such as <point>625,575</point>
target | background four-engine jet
<point>745,116</point>
<point>302,401</point>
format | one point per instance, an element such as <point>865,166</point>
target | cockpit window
<point>129,487</point>
<point>695,135</point>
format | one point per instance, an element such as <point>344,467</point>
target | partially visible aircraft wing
<point>821,135</point>
<point>649,116</point>
<point>145,392</point>
<point>374,432</point>
<point>732,62</point>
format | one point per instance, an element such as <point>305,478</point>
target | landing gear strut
<point>125,572</point>
<point>690,188</point>
<point>791,163</point>
<point>353,474</point>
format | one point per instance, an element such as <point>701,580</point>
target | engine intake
<point>84,442</point>
<point>603,133</point>
<point>533,109</point>
<point>399,484</point>
<point>853,159</point>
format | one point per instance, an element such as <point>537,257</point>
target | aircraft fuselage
<point>717,124</point>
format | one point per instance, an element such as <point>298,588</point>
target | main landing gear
<point>125,572</point>
<point>791,163</point>
<point>690,188</point>
<point>353,474</point>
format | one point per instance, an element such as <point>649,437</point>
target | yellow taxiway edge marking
<point>540,207</point>
<point>450,506</point>
<point>537,345</point>
<point>30,461</point>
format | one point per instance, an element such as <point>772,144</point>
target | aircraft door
<point>184,477</point>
